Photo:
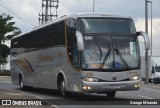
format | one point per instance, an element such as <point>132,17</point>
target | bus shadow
<point>76,96</point>
<point>48,92</point>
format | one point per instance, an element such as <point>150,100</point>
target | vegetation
<point>7,32</point>
<point>5,73</point>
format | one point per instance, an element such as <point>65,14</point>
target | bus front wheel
<point>62,87</point>
<point>21,83</point>
<point>111,94</point>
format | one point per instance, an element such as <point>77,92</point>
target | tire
<point>150,81</point>
<point>21,84</point>
<point>111,94</point>
<point>62,88</point>
<point>155,81</point>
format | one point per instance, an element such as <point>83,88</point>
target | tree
<point>7,32</point>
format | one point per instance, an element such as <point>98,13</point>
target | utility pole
<point>151,24</point>
<point>93,5</point>
<point>146,51</point>
<point>146,16</point>
<point>47,10</point>
<point>151,28</point>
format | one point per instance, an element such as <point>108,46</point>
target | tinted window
<point>49,36</point>
<point>106,25</point>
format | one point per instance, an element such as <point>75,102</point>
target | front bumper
<point>103,87</point>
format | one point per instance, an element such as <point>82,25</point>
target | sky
<point>29,10</point>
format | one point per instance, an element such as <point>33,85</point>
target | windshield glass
<point>106,25</point>
<point>157,68</point>
<point>110,52</point>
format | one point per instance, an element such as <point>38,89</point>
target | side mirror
<point>80,42</point>
<point>146,39</point>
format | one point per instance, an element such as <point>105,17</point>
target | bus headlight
<point>135,78</point>
<point>90,79</point>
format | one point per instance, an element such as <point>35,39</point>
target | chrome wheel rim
<point>21,83</point>
<point>62,86</point>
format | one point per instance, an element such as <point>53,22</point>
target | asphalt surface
<point>150,92</point>
<point>152,86</point>
<point>12,98</point>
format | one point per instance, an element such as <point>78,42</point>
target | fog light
<point>139,85</point>
<point>89,87</point>
<point>85,87</point>
<point>136,86</point>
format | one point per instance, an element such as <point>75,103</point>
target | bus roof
<point>97,15</point>
<point>75,16</point>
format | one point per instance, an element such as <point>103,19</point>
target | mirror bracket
<point>80,42</point>
<point>146,39</point>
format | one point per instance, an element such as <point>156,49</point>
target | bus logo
<point>114,77</point>
<point>88,37</point>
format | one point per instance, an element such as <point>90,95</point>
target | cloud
<point>25,10</point>
<point>140,25</point>
<point>125,7</point>
<point>29,10</point>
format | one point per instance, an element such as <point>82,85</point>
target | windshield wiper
<point>99,50</point>
<point>106,57</point>
<point>122,58</point>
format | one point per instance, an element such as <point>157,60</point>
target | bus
<point>82,53</point>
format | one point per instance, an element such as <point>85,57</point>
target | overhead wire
<point>62,8</point>
<point>12,12</point>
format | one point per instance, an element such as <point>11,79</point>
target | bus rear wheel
<point>111,94</point>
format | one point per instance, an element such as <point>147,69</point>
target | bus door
<point>73,70</point>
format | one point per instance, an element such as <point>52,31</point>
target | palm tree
<point>7,32</point>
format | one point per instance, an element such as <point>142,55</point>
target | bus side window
<point>72,28</point>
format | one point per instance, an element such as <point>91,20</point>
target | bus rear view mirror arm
<point>80,42</point>
<point>146,39</point>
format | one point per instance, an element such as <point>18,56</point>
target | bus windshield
<point>110,52</point>
<point>109,43</point>
<point>106,25</point>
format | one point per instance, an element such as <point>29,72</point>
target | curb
<point>5,76</point>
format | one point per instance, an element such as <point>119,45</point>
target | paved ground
<point>151,85</point>
<point>9,95</point>
<point>24,98</point>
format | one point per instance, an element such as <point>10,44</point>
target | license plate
<point>115,87</point>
